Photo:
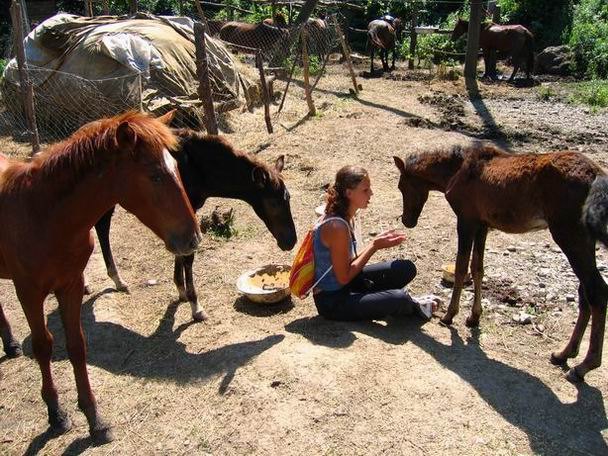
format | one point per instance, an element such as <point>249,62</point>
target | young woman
<point>346,287</point>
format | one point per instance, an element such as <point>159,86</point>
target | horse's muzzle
<point>409,222</point>
<point>181,245</point>
<point>287,241</point>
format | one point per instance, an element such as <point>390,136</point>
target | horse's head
<point>398,26</point>
<point>415,192</point>
<point>148,181</point>
<point>460,29</point>
<point>271,203</point>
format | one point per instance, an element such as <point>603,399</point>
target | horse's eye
<point>156,177</point>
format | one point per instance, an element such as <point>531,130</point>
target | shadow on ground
<point>552,427</point>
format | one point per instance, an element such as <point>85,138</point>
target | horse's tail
<point>595,210</point>
<point>530,52</point>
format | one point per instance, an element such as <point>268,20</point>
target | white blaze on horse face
<point>170,163</point>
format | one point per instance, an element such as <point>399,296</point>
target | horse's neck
<point>438,170</point>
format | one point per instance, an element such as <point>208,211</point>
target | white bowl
<point>260,285</point>
<point>320,210</point>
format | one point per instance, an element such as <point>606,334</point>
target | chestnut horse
<point>488,188</point>
<point>211,167</point>
<point>515,40</point>
<point>267,38</point>
<point>383,35</point>
<point>48,207</point>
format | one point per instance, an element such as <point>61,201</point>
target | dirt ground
<point>279,379</point>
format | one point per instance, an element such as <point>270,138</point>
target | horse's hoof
<point>102,436</point>
<point>557,360</point>
<point>574,377</point>
<point>446,321</point>
<point>122,288</point>
<point>13,350</point>
<point>199,316</point>
<point>60,422</point>
<point>472,322</point>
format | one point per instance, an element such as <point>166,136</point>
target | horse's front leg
<point>394,52</point>
<point>516,65</point>
<point>479,246</point>
<point>12,348</point>
<point>70,301</point>
<point>198,314</point>
<point>102,227</point>
<point>384,58</point>
<point>32,300</point>
<point>466,233</point>
<point>178,278</point>
<point>371,70</point>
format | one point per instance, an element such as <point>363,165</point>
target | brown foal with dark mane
<point>488,188</point>
<point>48,207</point>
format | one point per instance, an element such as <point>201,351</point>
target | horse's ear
<point>125,136</point>
<point>259,176</point>
<point>399,164</point>
<point>280,163</point>
<point>168,117</point>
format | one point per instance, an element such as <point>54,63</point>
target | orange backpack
<point>302,274</point>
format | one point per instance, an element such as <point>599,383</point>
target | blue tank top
<point>323,265</point>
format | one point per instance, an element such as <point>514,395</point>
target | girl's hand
<point>388,239</point>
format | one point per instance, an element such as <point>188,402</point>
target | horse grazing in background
<point>261,36</point>
<point>514,40</point>
<point>488,188</point>
<point>48,207</point>
<point>211,167</point>
<point>383,35</point>
<point>214,27</point>
<point>279,20</point>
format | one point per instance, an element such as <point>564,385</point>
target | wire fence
<point>66,99</point>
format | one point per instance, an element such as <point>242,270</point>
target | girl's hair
<point>347,177</point>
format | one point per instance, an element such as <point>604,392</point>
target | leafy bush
<point>589,38</point>
<point>3,63</point>
<point>591,93</point>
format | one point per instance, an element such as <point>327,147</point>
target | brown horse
<point>514,40</point>
<point>211,167</point>
<point>214,27</point>
<point>267,38</point>
<point>488,188</point>
<point>383,35</point>
<point>48,207</point>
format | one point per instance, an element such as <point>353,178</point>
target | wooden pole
<point>293,68</point>
<point>106,7</point>
<point>346,53</point>
<point>491,63</point>
<point>311,105</point>
<point>88,8</point>
<point>132,7</point>
<point>413,36</point>
<point>470,66</point>
<point>27,92</point>
<point>204,88</point>
<point>273,9</point>
<point>265,96</point>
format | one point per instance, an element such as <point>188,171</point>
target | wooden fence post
<point>106,7</point>
<point>413,36</point>
<point>204,88</point>
<point>27,92</point>
<point>346,53</point>
<point>265,95</point>
<point>132,7</point>
<point>88,8</point>
<point>470,66</point>
<point>311,105</point>
<point>491,63</point>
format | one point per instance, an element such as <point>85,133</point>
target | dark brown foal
<point>489,188</point>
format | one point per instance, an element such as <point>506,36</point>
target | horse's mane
<point>91,146</point>
<point>456,154</point>
<point>221,148</point>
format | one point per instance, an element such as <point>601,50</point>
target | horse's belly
<point>511,222</point>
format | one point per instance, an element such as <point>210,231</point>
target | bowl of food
<point>265,285</point>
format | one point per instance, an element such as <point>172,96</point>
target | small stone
<point>570,298</point>
<point>512,248</point>
<point>522,318</point>
<point>152,282</point>
<point>540,328</point>
<point>542,285</point>
<point>373,233</point>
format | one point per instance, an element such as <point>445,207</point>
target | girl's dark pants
<point>373,295</point>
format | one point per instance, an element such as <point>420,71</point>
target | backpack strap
<point>318,225</point>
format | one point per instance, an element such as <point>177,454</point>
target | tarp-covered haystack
<point>85,68</point>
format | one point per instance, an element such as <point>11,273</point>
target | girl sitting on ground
<point>346,287</point>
